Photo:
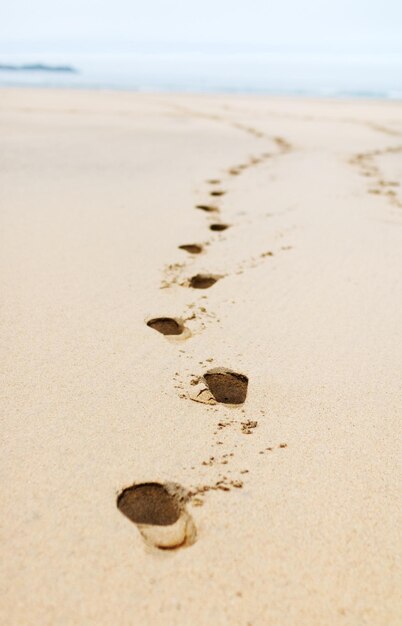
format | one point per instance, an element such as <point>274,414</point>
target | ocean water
<point>192,69</point>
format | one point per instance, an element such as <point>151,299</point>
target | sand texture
<point>201,360</point>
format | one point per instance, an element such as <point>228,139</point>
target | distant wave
<point>38,67</point>
<point>317,75</point>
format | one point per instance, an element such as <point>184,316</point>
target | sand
<point>284,507</point>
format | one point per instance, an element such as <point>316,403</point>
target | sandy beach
<point>270,413</point>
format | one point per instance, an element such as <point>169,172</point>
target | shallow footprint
<point>203,281</point>
<point>192,248</point>
<point>207,207</point>
<point>159,513</point>
<point>227,386</point>
<point>218,227</point>
<point>166,325</point>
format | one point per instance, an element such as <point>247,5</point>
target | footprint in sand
<point>203,281</point>
<point>159,514</point>
<point>217,192</point>
<point>218,227</point>
<point>167,325</point>
<point>192,248</point>
<point>207,207</point>
<point>220,385</point>
<point>214,181</point>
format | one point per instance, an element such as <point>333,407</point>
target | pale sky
<point>368,24</point>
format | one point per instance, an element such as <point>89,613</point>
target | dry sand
<point>293,499</point>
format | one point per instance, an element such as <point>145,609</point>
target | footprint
<point>219,385</point>
<point>166,325</point>
<point>213,181</point>
<point>207,207</point>
<point>203,281</point>
<point>217,192</point>
<point>159,513</point>
<point>282,144</point>
<point>218,227</point>
<point>227,386</point>
<point>192,248</point>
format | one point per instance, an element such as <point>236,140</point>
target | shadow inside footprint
<point>149,503</point>
<point>218,227</point>
<point>227,386</point>
<point>159,513</point>
<point>217,192</point>
<point>192,248</point>
<point>207,207</point>
<point>166,325</point>
<point>203,281</point>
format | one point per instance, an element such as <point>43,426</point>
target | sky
<point>366,25</point>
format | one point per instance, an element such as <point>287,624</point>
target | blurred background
<point>337,48</point>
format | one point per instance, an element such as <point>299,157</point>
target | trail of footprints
<point>160,510</point>
<point>366,162</point>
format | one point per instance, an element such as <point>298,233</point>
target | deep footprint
<point>227,386</point>
<point>166,325</point>
<point>192,248</point>
<point>217,192</point>
<point>159,513</point>
<point>218,227</point>
<point>203,281</point>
